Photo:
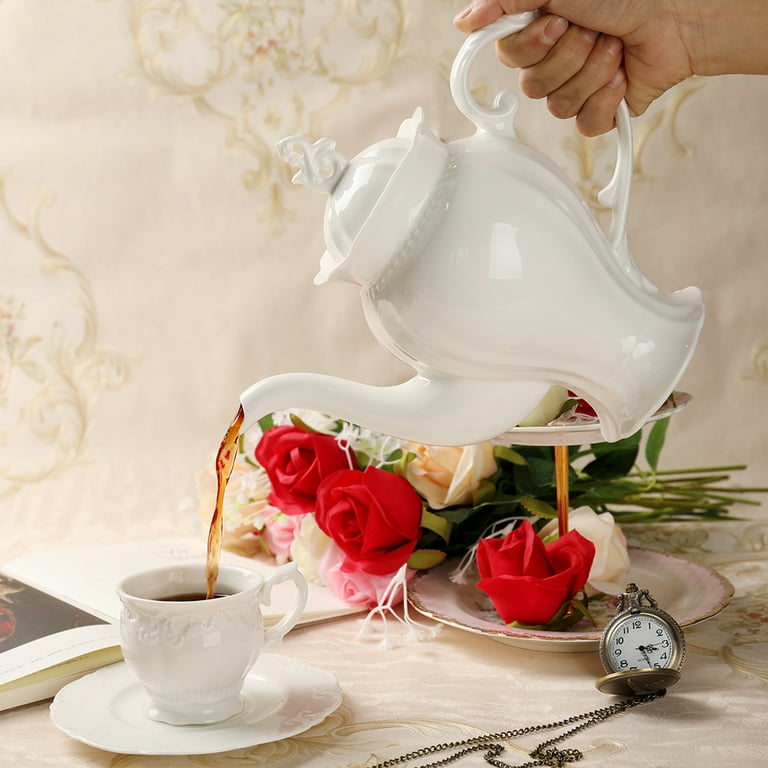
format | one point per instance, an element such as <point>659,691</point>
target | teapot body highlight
<point>482,267</point>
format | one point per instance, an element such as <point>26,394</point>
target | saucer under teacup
<point>282,697</point>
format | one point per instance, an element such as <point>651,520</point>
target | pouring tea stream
<point>481,267</point>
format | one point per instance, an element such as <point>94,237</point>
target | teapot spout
<point>433,411</point>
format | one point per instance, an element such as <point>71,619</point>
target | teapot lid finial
<point>375,200</point>
<point>320,165</point>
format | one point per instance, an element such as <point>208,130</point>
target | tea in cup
<point>190,653</point>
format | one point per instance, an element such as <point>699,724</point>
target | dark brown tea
<point>225,461</point>
<point>190,597</point>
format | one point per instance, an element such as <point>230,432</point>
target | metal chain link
<point>545,754</point>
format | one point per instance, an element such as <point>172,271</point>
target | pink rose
<point>374,517</point>
<point>279,532</point>
<point>528,580</point>
<point>297,461</point>
<point>348,581</point>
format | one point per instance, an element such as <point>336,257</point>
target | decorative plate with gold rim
<point>690,591</point>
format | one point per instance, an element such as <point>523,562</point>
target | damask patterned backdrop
<point>155,258</point>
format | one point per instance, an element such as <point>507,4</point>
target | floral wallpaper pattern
<point>52,366</point>
<point>265,69</point>
<point>256,71</point>
<point>174,265</point>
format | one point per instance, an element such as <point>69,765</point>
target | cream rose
<point>611,564</point>
<point>445,476</point>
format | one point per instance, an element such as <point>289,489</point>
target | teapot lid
<point>374,200</point>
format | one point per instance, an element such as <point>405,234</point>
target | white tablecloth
<point>459,684</point>
<point>155,260</point>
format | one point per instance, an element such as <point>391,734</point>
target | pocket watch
<point>642,648</point>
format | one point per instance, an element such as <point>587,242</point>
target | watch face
<point>644,640</point>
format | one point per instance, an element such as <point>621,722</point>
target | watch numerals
<point>642,648</point>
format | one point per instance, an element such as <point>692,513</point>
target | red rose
<point>528,580</point>
<point>582,406</point>
<point>373,516</point>
<point>296,461</point>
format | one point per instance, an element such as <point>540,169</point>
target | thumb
<point>481,13</point>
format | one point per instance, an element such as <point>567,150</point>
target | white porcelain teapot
<point>481,266</point>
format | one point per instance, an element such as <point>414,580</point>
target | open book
<point>59,611</point>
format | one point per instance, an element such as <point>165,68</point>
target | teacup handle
<point>287,572</point>
<point>499,119</point>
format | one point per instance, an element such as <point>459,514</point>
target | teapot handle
<point>499,119</point>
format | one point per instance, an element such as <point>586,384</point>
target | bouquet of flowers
<point>355,508</point>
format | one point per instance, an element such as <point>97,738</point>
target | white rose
<point>611,564</point>
<point>308,546</point>
<point>445,476</point>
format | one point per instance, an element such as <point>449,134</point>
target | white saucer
<point>283,697</point>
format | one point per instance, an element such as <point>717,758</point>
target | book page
<point>87,576</point>
<point>27,614</point>
<point>41,636</point>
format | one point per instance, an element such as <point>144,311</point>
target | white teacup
<point>192,655</point>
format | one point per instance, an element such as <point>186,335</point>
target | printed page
<point>44,642</point>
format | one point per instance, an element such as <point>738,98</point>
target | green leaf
<point>613,490</point>
<point>486,491</point>
<point>614,459</point>
<point>570,612</point>
<point>267,422</point>
<point>655,443</point>
<point>422,559</point>
<point>363,459</point>
<point>400,466</point>
<point>542,472</point>
<point>301,424</point>
<point>506,453</point>
<point>630,443</point>
<point>539,508</point>
<point>436,524</point>
<point>429,540</point>
<point>566,406</point>
<point>457,514</point>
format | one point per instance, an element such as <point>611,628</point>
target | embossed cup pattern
<point>192,657</point>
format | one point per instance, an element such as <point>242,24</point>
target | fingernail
<point>554,30</point>
<point>617,79</point>
<point>463,14</point>
<point>589,34</point>
<point>613,45</point>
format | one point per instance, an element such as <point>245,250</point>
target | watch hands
<point>645,650</point>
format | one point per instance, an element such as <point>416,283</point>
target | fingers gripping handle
<point>499,119</point>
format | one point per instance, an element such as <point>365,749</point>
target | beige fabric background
<point>155,259</point>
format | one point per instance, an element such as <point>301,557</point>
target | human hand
<point>585,56</point>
